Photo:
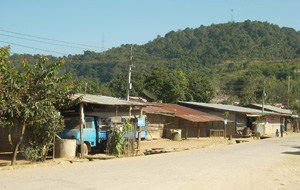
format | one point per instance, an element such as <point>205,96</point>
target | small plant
<point>117,142</point>
<point>118,138</point>
<point>256,134</point>
<point>31,152</point>
<point>226,114</point>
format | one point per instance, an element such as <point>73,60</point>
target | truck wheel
<point>85,149</point>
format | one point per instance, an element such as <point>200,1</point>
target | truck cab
<point>72,130</point>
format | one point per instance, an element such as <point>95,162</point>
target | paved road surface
<point>272,163</point>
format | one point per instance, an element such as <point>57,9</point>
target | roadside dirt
<point>147,147</point>
<point>168,145</point>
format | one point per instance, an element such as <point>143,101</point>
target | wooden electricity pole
<point>289,82</point>
<point>81,130</point>
<point>264,96</point>
<point>129,74</point>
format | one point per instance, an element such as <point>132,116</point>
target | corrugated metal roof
<point>274,109</point>
<point>105,100</point>
<point>182,112</point>
<point>229,108</point>
<point>157,109</point>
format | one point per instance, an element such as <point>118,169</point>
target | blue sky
<point>110,23</point>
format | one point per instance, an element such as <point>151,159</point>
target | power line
<point>33,48</point>
<point>49,39</point>
<point>43,42</point>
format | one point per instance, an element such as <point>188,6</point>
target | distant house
<point>243,117</point>
<point>163,118</point>
<point>290,120</point>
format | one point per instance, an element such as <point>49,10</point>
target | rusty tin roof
<point>182,112</point>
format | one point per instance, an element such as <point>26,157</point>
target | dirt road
<point>267,164</point>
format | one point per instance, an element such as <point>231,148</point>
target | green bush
<point>256,134</point>
<point>31,153</point>
<point>118,138</point>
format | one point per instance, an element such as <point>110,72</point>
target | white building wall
<point>272,125</point>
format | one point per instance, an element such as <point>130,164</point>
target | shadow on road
<point>292,153</point>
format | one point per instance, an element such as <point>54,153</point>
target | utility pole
<point>85,87</point>
<point>289,81</point>
<point>129,75</point>
<point>263,96</point>
<point>82,149</point>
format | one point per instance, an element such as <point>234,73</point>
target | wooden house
<point>162,119</point>
<point>243,117</point>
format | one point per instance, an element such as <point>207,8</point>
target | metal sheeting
<point>274,109</point>
<point>105,100</point>
<point>182,112</point>
<point>229,108</point>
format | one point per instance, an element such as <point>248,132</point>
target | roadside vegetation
<point>30,99</point>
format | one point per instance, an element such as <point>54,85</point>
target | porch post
<point>139,134</point>
<point>224,130</point>
<point>117,110</point>
<point>186,132</point>
<point>130,108</point>
<point>198,131</point>
<point>81,130</point>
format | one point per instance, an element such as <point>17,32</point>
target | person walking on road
<point>282,129</point>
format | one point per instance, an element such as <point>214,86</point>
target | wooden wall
<point>4,143</point>
<point>161,126</point>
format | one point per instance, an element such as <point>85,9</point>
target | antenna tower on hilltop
<point>231,15</point>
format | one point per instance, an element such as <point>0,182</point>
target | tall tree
<point>31,97</point>
<point>200,88</point>
<point>167,85</point>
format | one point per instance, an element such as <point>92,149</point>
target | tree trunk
<point>9,137</point>
<point>15,151</point>
<point>44,153</point>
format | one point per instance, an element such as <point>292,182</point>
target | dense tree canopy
<point>167,85</point>
<point>200,89</point>
<point>234,57</point>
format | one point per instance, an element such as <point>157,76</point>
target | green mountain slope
<point>191,49</point>
<point>236,57</point>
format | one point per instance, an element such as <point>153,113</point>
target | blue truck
<point>95,135</point>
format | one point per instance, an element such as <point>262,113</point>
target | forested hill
<point>232,60</point>
<point>211,44</point>
<point>189,49</point>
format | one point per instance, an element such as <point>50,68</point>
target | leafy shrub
<point>31,152</point>
<point>118,138</point>
<point>256,134</point>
